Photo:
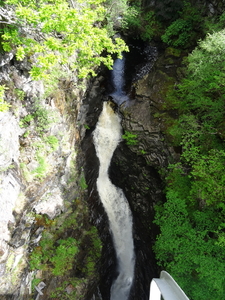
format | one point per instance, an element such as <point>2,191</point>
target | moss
<point>173,52</point>
<point>53,142</point>
<point>10,262</point>
<point>83,183</point>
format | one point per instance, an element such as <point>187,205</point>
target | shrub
<point>4,106</point>
<point>183,31</point>
<point>151,26</point>
<point>130,138</point>
<point>178,33</point>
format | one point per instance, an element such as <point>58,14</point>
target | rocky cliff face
<point>41,180</point>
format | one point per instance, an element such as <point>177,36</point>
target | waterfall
<point>106,137</point>
<point>119,95</point>
<point>118,75</point>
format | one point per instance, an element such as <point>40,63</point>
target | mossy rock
<point>172,52</point>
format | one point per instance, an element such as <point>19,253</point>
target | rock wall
<point>40,174</point>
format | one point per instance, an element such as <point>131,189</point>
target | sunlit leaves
<point>4,106</point>
<point>58,31</point>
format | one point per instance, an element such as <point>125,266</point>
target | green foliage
<point>25,122</point>
<point>83,183</point>
<point>182,31</point>
<point>131,17</point>
<point>26,134</point>
<point>209,179</point>
<point>214,24</point>
<point>42,117</point>
<point>64,256</point>
<point>116,10</point>
<point>57,253</point>
<point>143,152</point>
<point>130,138</point>
<point>20,94</point>
<point>123,15</point>
<point>94,253</point>
<point>4,106</point>
<point>203,88</point>
<point>178,33</point>
<point>150,26</point>
<point>42,168</point>
<point>61,291</point>
<point>61,35</point>
<point>186,249</point>
<point>52,141</point>
<point>34,283</point>
<point>191,243</point>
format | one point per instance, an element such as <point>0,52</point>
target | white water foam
<point>106,137</point>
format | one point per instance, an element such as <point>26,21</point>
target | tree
<point>60,34</point>
<point>191,245</point>
<point>203,89</point>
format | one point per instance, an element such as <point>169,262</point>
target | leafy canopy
<point>186,249</point>
<point>58,34</point>
<point>203,89</point>
<point>192,239</point>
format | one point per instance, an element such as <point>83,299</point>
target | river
<point>106,137</point>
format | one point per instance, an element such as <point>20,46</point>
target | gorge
<point>138,189</point>
<point>89,155</point>
<point>127,162</point>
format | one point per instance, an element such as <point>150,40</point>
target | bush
<point>130,138</point>
<point>179,33</point>
<point>186,246</point>
<point>183,31</point>
<point>151,26</point>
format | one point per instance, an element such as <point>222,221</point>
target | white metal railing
<point>166,287</point>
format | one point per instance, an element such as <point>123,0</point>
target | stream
<point>120,205</point>
<point>106,137</point>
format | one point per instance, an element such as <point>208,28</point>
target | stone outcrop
<point>39,172</point>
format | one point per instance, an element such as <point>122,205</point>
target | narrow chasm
<point>141,185</point>
<point>128,171</point>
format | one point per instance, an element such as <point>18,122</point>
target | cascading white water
<point>106,137</point>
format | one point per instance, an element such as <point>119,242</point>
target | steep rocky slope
<point>41,182</point>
